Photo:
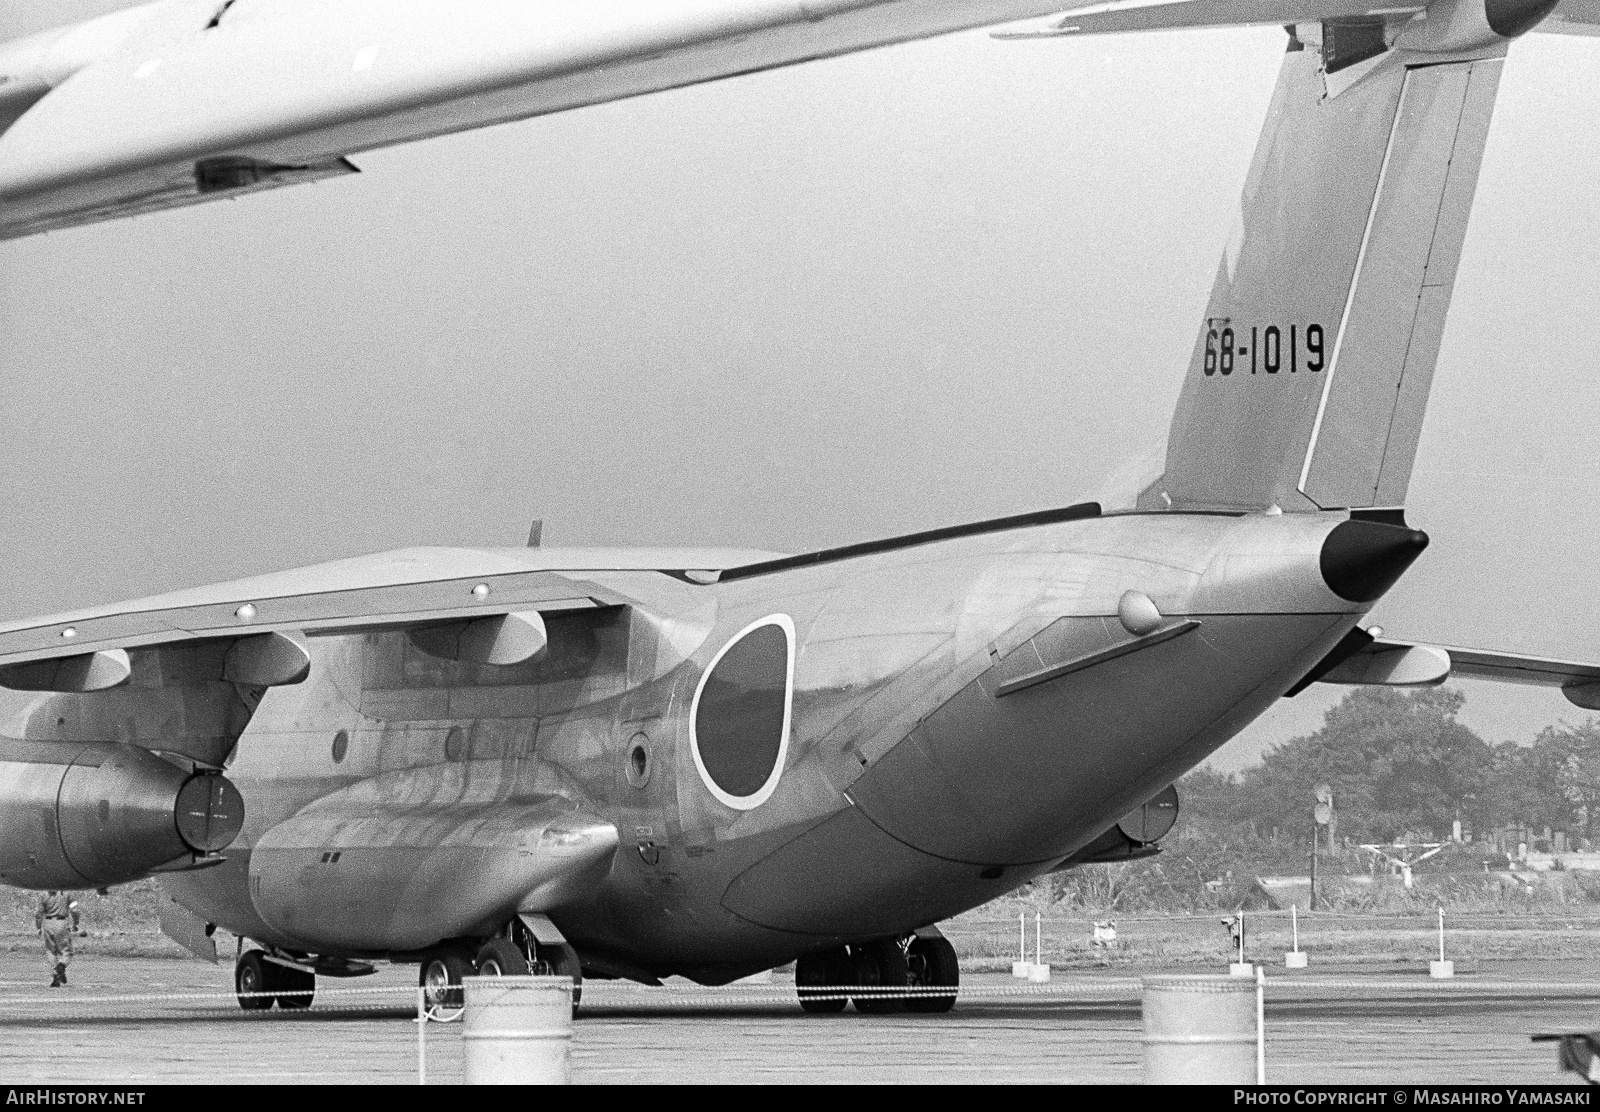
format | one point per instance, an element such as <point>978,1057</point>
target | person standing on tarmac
<point>56,919</point>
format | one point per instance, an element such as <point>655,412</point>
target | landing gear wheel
<point>499,957</point>
<point>879,965</point>
<point>932,963</point>
<point>294,987</point>
<point>440,978</point>
<point>819,978</point>
<point>550,959</point>
<point>250,982</point>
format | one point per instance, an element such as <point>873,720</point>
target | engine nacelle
<point>1463,25</point>
<point>1135,835</point>
<point>92,815</point>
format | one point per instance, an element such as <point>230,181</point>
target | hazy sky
<point>922,285</point>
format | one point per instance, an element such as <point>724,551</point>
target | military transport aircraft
<point>641,763</point>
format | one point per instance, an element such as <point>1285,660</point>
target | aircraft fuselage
<point>963,715</point>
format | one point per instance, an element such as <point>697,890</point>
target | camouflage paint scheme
<point>911,791</point>
<point>970,708</point>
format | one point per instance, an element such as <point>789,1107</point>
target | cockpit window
<point>739,725</point>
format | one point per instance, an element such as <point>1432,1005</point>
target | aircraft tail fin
<point>1308,382</point>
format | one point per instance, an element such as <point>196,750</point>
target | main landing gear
<point>891,975</point>
<point>515,954</point>
<point>261,982</point>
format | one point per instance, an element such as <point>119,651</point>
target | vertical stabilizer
<point>1308,382</point>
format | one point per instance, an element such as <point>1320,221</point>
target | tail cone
<point>1363,559</point>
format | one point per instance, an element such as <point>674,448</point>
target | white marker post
<point>1241,968</point>
<point>1441,969</point>
<point>1294,959</point>
<point>1022,966</point>
<point>1261,1026</point>
<point>422,1036</point>
<point>1039,973</point>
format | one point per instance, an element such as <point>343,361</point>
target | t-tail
<point>1310,375</point>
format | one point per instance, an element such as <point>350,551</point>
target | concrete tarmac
<point>132,1021</point>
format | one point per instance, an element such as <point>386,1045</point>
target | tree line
<point>1402,767</point>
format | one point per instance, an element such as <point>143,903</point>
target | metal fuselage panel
<point>912,788</point>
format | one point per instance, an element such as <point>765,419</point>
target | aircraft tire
<point>879,965</point>
<point>294,987</point>
<point>440,977</point>
<point>818,972</point>
<point>499,957</point>
<point>933,964</point>
<point>249,977</point>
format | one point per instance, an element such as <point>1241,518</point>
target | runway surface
<point>154,1020</point>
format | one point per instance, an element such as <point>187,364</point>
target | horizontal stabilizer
<point>1392,664</point>
<point>1411,663</point>
<point>1579,682</point>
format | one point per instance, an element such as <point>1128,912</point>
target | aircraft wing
<point>1577,17</point>
<point>182,101</point>
<point>394,590</point>
<point>1143,15</point>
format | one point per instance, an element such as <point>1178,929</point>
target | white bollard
<point>517,1030</point>
<point>1241,968</point>
<point>1040,971</point>
<point>1441,969</point>
<point>1200,1031</point>
<point>1022,966</point>
<point>1295,958</point>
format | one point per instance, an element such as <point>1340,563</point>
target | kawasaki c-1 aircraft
<point>645,763</point>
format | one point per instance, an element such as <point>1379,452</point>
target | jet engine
<point>1474,24</point>
<point>92,815</point>
<point>1135,834</point>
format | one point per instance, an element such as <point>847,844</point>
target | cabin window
<point>739,724</point>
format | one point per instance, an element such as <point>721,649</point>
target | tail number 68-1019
<point>1267,350</point>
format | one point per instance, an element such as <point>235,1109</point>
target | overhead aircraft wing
<point>1578,17</point>
<point>181,101</point>
<point>188,100</point>
<point>1574,17</point>
<point>1143,15</point>
<point>393,590</point>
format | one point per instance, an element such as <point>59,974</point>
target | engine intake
<point>88,816</point>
